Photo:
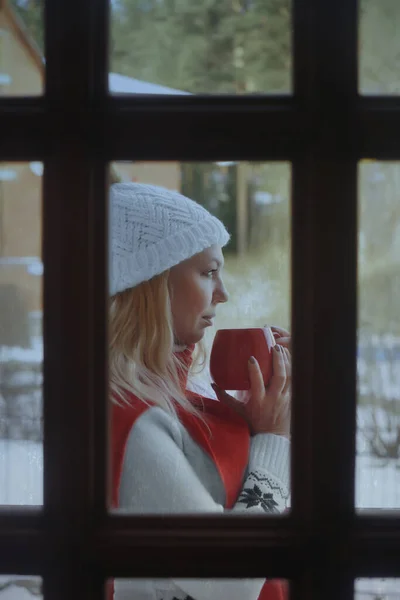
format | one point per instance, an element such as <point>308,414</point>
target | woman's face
<point>196,288</point>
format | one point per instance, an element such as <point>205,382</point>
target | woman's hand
<point>282,337</point>
<point>266,409</point>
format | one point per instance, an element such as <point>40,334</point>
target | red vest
<point>228,446</point>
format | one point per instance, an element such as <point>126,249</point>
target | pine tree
<point>213,46</point>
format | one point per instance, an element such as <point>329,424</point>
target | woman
<point>175,451</point>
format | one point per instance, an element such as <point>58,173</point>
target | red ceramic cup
<point>230,355</point>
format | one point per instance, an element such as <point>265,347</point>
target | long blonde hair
<point>141,353</point>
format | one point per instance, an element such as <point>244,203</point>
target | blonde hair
<point>141,354</point>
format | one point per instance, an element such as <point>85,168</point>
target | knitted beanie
<point>152,229</point>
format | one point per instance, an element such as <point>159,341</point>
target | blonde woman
<point>175,451</point>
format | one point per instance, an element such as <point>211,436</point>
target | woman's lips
<point>208,321</point>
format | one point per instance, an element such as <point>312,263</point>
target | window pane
<point>20,587</point>
<point>154,328</point>
<point>379,47</point>
<point>21,48</point>
<point>378,440</point>
<point>374,589</point>
<point>21,474</point>
<point>187,589</point>
<point>199,47</point>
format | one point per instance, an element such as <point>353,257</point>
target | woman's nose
<point>222,293</point>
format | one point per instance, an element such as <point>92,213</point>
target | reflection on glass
<point>379,47</point>
<point>21,474</point>
<point>174,447</point>
<point>201,47</point>
<point>378,439</point>
<point>184,589</point>
<point>377,589</point>
<point>20,587</point>
<point>21,45</point>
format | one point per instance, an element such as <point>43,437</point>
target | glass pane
<point>201,47</point>
<point>379,47</point>
<point>21,48</point>
<point>188,589</point>
<point>21,465</point>
<point>20,587</point>
<point>169,292</point>
<point>377,589</point>
<point>378,439</point>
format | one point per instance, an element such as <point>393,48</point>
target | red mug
<point>230,355</point>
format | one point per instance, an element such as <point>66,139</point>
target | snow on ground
<point>377,589</point>
<point>21,472</point>
<point>22,355</point>
<point>19,587</point>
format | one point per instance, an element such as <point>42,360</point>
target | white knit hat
<point>152,229</point>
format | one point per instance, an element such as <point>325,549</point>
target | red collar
<point>186,359</point>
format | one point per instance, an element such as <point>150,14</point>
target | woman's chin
<point>194,337</point>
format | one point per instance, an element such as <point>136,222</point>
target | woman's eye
<point>211,272</point>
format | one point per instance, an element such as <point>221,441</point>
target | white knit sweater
<point>166,472</point>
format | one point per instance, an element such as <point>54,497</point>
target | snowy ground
<point>377,589</point>
<point>19,587</point>
<point>21,472</point>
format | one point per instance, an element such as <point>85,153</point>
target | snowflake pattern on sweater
<point>255,497</point>
<point>265,492</point>
<point>172,595</point>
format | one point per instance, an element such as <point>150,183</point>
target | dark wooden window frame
<point>324,129</point>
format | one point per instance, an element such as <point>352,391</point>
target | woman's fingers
<point>227,399</point>
<point>267,409</point>
<point>288,362</point>
<point>257,386</point>
<point>284,341</point>
<point>278,379</point>
<point>222,395</point>
<point>288,367</point>
<point>280,332</point>
<point>282,336</point>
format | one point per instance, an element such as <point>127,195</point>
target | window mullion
<point>324,286</point>
<point>75,89</point>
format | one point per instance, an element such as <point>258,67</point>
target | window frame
<point>324,129</point>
